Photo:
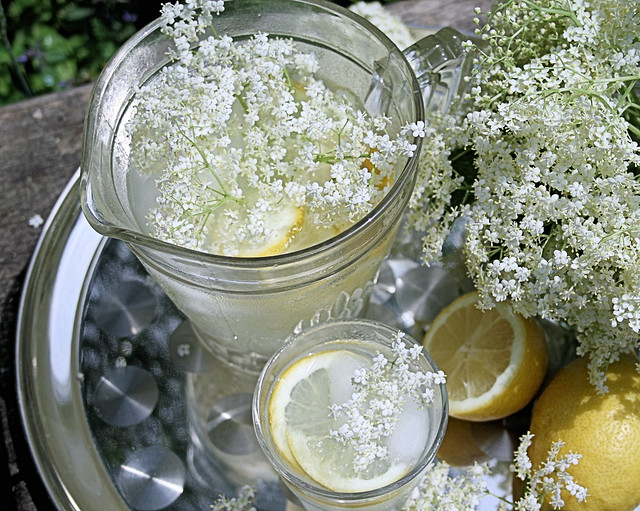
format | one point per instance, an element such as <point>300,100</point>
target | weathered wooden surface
<point>40,144</point>
<point>440,13</point>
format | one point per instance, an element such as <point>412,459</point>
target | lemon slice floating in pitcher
<point>283,223</point>
<point>300,423</point>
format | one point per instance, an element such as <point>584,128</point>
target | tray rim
<point>61,444</point>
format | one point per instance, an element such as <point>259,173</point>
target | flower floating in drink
<point>250,161</point>
<point>251,154</point>
<point>350,413</point>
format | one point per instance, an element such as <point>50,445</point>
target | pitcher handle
<point>441,64</point>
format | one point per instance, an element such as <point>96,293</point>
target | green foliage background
<point>52,45</point>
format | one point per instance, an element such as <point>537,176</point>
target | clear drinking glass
<point>242,308</point>
<point>370,337</point>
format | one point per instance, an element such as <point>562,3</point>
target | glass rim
<point>146,241</point>
<point>316,490</point>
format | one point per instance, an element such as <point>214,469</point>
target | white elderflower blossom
<point>232,130</point>
<point>244,501</point>
<point>381,390</point>
<point>547,480</point>
<point>439,490</point>
<point>444,489</point>
<point>544,167</point>
<point>36,221</point>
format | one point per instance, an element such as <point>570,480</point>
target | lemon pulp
<point>495,360</point>
<point>300,424</point>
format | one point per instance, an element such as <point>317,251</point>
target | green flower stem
<point>619,232</point>
<point>289,80</point>
<point>501,499</point>
<point>209,211</point>
<point>243,103</point>
<point>331,158</point>
<point>205,160</point>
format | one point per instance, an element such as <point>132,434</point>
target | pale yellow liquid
<point>415,427</point>
<point>142,191</point>
<point>246,327</point>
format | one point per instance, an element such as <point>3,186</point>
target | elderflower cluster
<point>235,132</point>
<point>244,501</point>
<point>548,480</point>
<point>444,489</point>
<point>542,169</point>
<point>381,391</point>
<point>392,26</point>
<point>439,489</point>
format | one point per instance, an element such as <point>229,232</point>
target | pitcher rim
<point>407,173</point>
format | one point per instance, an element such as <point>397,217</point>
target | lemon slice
<point>308,376</point>
<point>330,464</point>
<point>381,182</point>
<point>284,223</point>
<point>300,423</point>
<point>495,360</point>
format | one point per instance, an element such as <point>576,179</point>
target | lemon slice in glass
<point>330,464</point>
<point>308,376</point>
<point>300,423</point>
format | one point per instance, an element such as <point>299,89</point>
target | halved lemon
<point>300,423</point>
<point>495,360</point>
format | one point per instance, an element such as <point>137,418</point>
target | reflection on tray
<point>172,425</point>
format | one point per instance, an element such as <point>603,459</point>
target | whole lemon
<point>604,429</point>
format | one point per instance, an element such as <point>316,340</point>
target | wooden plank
<point>439,13</point>
<point>40,144</point>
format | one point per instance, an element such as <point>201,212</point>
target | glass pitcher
<point>243,308</point>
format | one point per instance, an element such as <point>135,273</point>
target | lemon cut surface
<point>495,360</point>
<point>300,423</point>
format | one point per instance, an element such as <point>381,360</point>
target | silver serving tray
<point>103,360</point>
